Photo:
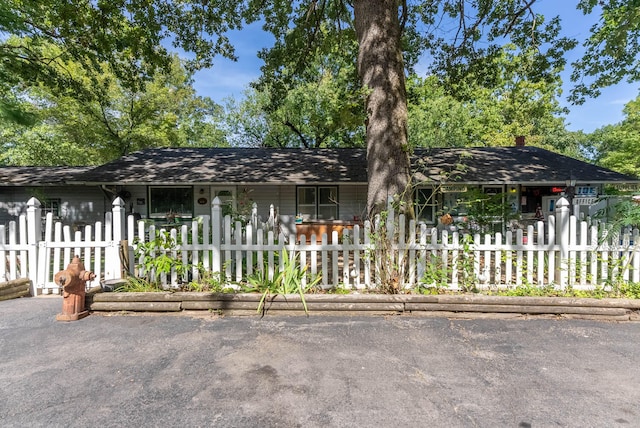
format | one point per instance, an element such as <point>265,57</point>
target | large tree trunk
<point>381,71</point>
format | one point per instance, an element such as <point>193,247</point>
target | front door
<point>227,196</point>
<point>549,205</point>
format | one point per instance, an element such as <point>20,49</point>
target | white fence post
<point>34,236</point>
<point>216,235</point>
<point>562,240</point>
<point>119,232</point>
<point>254,215</point>
<point>113,266</point>
<point>118,219</point>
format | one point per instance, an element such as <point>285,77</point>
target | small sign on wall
<point>453,188</point>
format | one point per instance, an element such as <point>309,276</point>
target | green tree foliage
<point>13,110</point>
<point>437,119</point>
<point>247,123</point>
<point>322,107</point>
<point>311,116</point>
<point>464,113</point>
<point>110,120</point>
<point>128,36</point>
<point>618,146</point>
<point>612,51</point>
<point>462,39</point>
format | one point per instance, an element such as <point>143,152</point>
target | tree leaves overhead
<point>111,120</point>
<point>83,49</point>
<point>128,35</point>
<point>465,39</point>
<point>618,146</point>
<point>612,52</point>
<point>460,37</point>
<point>318,39</point>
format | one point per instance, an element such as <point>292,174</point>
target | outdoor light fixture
<point>570,190</point>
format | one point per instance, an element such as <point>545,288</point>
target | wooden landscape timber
<point>15,288</point>
<point>407,304</point>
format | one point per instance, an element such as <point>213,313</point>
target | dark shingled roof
<point>522,165</point>
<point>508,165</point>
<point>38,175</point>
<point>236,165</point>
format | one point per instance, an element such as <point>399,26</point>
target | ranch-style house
<point>309,188</point>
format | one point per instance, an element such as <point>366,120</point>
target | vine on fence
<point>387,267</point>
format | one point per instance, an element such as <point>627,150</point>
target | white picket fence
<point>562,253</point>
<point>36,251</point>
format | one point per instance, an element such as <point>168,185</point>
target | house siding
<point>283,199</point>
<point>78,204</point>
<point>353,201</point>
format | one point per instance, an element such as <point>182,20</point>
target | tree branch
<point>296,131</point>
<point>526,7</point>
<point>404,16</point>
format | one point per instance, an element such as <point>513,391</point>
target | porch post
<point>34,236</point>
<point>563,212</point>
<point>216,235</point>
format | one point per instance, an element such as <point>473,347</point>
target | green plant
<point>483,210</point>
<point>159,257</point>
<point>423,288</point>
<point>210,281</point>
<point>138,285</point>
<point>340,289</point>
<point>629,290</point>
<point>288,280</point>
<point>615,268</point>
<point>527,289</point>
<point>625,213</point>
<point>550,291</point>
<point>435,277</point>
<point>466,263</point>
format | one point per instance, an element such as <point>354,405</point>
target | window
<point>318,202</point>
<point>307,202</point>
<point>50,205</point>
<point>425,204</point>
<point>454,203</point>
<point>170,201</point>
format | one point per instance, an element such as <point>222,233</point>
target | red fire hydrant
<point>73,282</point>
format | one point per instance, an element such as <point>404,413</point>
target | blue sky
<point>227,78</point>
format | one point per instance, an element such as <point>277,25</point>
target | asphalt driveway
<point>190,371</point>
